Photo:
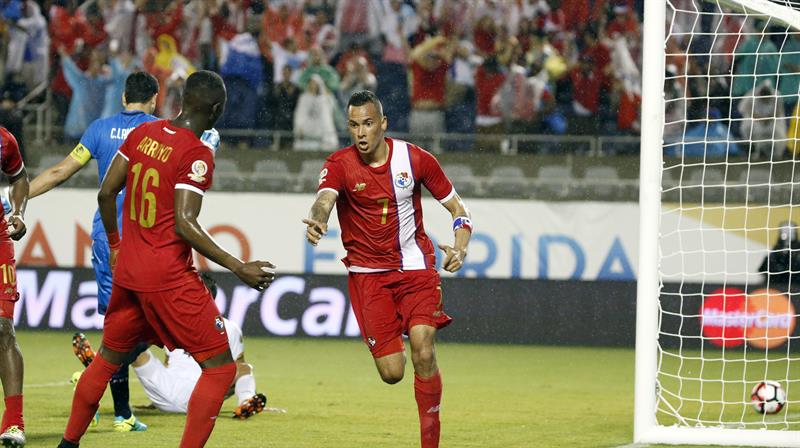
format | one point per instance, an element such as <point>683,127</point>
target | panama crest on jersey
<point>403,180</point>
<point>218,323</point>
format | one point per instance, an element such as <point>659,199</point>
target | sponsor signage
<point>765,318</point>
<point>488,311</point>
<point>484,310</point>
<point>512,239</point>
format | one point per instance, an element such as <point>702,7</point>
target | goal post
<point>716,186</point>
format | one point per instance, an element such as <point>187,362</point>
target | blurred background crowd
<point>440,66</point>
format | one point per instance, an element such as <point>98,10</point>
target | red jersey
<point>11,164</point>
<point>161,158</point>
<point>380,209</point>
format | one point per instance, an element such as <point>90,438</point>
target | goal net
<point>719,222</point>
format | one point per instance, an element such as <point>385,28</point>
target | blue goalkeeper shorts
<point>102,272</point>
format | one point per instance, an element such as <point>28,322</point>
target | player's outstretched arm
<point>317,221</point>
<point>112,184</point>
<point>256,274</point>
<point>462,227</point>
<point>56,174</point>
<point>18,196</point>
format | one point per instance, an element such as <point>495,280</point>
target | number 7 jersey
<point>162,158</point>
<point>380,208</point>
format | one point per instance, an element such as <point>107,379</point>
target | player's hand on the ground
<point>16,227</point>
<point>316,230</point>
<point>256,274</point>
<point>453,258</point>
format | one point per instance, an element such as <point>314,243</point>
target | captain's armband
<point>81,154</point>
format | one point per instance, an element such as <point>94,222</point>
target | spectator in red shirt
<point>429,63</point>
<point>279,24</point>
<point>160,22</point>
<point>586,87</point>
<point>488,79</point>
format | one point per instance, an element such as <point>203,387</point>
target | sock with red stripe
<point>428,392</point>
<point>13,413</point>
<point>205,403</point>
<point>87,396</point>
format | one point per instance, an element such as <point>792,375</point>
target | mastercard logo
<point>765,318</point>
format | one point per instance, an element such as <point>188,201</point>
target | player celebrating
<point>157,295</point>
<point>101,141</point>
<point>394,287</point>
<point>11,366</point>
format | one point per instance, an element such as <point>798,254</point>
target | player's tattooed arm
<point>256,274</point>
<point>18,196</point>
<point>454,255</point>
<point>317,221</point>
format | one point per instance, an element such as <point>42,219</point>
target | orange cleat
<point>251,407</point>
<point>82,349</point>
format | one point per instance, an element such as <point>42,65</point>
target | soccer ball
<point>768,397</point>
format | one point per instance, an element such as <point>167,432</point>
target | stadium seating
<point>508,181</point>
<point>271,175</point>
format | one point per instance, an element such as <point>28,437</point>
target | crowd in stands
<point>455,66</point>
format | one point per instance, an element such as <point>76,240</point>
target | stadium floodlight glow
<point>720,121</point>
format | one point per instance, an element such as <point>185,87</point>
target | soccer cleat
<point>128,424</point>
<point>251,407</point>
<point>13,437</point>
<point>82,349</point>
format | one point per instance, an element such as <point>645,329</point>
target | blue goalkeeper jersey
<point>101,141</point>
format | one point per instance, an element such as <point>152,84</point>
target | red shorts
<point>8,280</point>
<point>387,304</point>
<point>183,317</point>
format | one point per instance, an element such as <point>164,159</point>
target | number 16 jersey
<point>161,159</point>
<point>380,208</point>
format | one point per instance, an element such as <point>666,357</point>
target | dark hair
<point>140,87</point>
<point>210,283</point>
<point>204,87</point>
<point>363,97</point>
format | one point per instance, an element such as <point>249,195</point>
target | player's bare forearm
<point>457,208</point>
<point>455,255</point>
<point>187,209</point>
<point>323,206</point>
<point>107,196</point>
<point>317,222</point>
<point>54,176</point>
<point>18,193</point>
<point>256,274</point>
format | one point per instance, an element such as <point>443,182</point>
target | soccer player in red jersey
<point>157,295</point>
<point>394,287</point>
<point>11,366</point>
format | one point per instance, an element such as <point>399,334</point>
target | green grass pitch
<point>494,396</point>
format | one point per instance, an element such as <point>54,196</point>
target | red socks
<point>428,392</point>
<point>204,404</point>
<point>87,396</point>
<point>13,413</point>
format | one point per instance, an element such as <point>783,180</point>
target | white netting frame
<point>698,195</point>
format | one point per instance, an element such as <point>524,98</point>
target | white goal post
<point>708,217</point>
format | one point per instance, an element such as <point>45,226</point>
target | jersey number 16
<point>147,206</point>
